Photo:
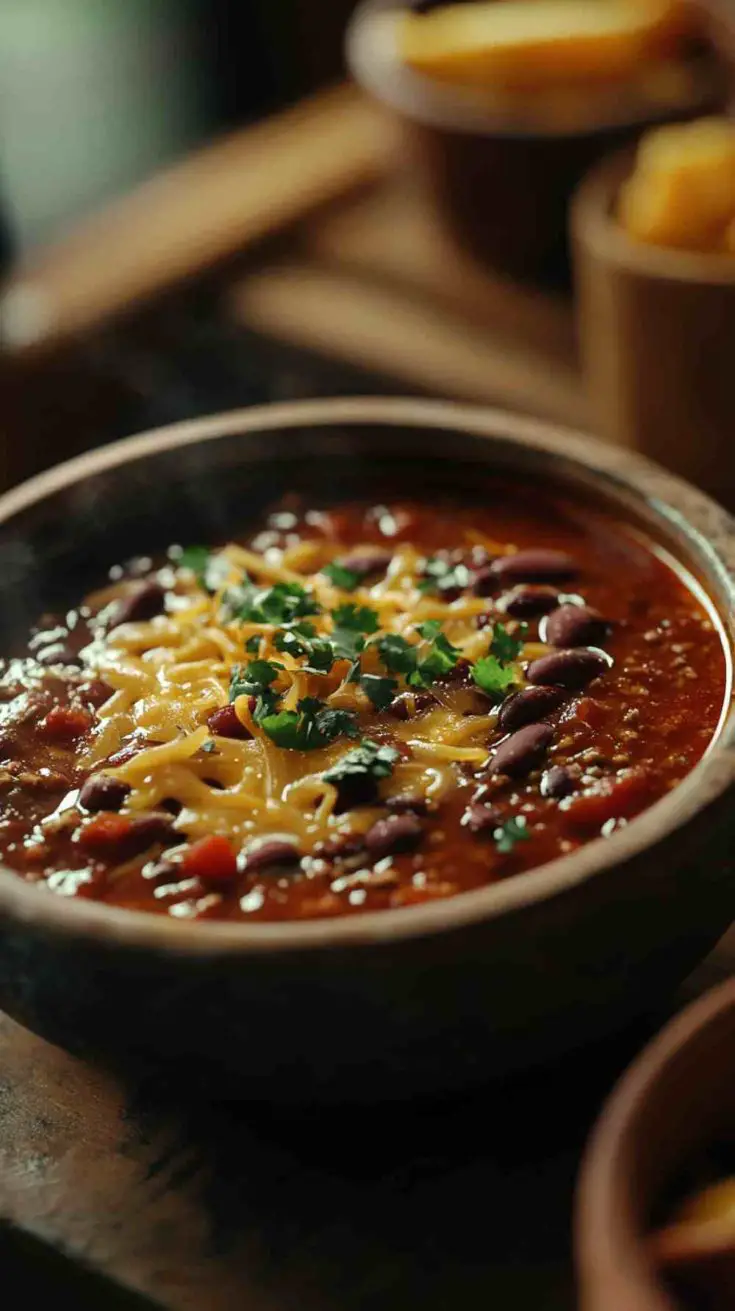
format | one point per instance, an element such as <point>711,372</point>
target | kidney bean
<point>407,805</point>
<point>407,704</point>
<point>535,566</point>
<point>573,625</point>
<point>119,837</point>
<point>573,668</point>
<point>528,602</point>
<point>521,752</point>
<point>481,818</point>
<point>143,603</point>
<point>103,792</point>
<point>557,782</point>
<point>394,834</point>
<point>366,562</point>
<point>486,581</point>
<point>271,852</point>
<point>224,722</point>
<point>528,706</point>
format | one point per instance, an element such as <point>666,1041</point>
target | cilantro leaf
<point>310,726</point>
<point>210,570</point>
<point>369,760</point>
<point>252,646</point>
<point>280,604</point>
<point>380,691</point>
<point>358,617</point>
<point>318,651</point>
<point>508,834</point>
<point>492,677</point>
<point>430,629</point>
<point>398,655</point>
<point>347,643</point>
<point>347,579</point>
<point>506,647</point>
<point>441,658</point>
<point>255,680</point>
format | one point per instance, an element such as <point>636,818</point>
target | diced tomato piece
<point>587,711</point>
<point>66,724</point>
<point>210,859</point>
<point>106,833</point>
<point>618,798</point>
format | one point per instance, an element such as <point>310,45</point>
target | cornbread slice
<point>536,43</point>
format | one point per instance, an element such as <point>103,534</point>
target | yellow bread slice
<point>536,43</point>
<point>682,190</point>
<point>705,1224</point>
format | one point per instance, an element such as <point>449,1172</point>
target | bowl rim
<point>432,104</point>
<point>595,228</point>
<point>668,498</point>
<point>607,1236</point>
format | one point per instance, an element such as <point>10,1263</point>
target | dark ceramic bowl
<point>403,1001</point>
<point>676,1102</point>
<point>502,184</point>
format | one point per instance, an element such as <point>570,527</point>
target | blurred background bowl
<point>656,332</point>
<point>676,1101</point>
<point>501,174</point>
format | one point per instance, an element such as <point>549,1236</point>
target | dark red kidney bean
<point>58,654</point>
<point>572,669</point>
<point>394,834</point>
<point>147,830</point>
<point>225,723</point>
<point>103,792</point>
<point>407,805</point>
<point>528,706</point>
<point>272,852</point>
<point>145,602</point>
<point>528,602</point>
<point>536,566</point>
<point>557,783</point>
<point>521,752</point>
<point>481,818</point>
<point>365,563</point>
<point>340,847</point>
<point>486,581</point>
<point>573,625</point>
<point>407,704</point>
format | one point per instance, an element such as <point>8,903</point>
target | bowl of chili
<point>387,743</point>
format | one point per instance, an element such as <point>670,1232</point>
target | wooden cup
<point>657,334</point>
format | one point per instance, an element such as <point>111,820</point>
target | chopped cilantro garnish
<point>347,579</point>
<point>347,643</point>
<point>255,680</point>
<point>312,725</point>
<point>398,655</point>
<point>441,658</point>
<point>210,570</point>
<point>494,678</point>
<point>358,617</point>
<point>380,691</point>
<point>430,629</point>
<point>318,650</point>
<point>252,646</point>
<point>442,576</point>
<point>280,604</point>
<point>508,834</point>
<point>505,646</point>
<point>369,760</point>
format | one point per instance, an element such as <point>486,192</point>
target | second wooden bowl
<point>656,328</point>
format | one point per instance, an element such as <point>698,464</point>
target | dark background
<point>95,95</point>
